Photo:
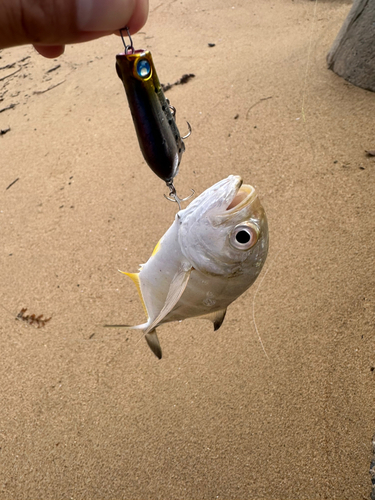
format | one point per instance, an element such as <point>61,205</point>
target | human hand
<point>50,24</point>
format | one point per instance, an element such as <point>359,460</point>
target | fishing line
<point>304,92</point>
<point>255,325</point>
<point>7,310</point>
<point>255,294</point>
<point>308,63</point>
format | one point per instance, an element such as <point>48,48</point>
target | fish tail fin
<point>148,328</point>
<point>153,343</point>
<point>136,280</point>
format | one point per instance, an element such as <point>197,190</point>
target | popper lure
<point>153,116</point>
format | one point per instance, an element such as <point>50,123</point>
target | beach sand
<point>90,413</point>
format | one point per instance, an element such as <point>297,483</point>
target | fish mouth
<point>242,197</point>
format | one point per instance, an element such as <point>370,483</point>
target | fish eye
<point>143,68</point>
<point>244,236</point>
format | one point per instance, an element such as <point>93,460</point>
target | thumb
<point>55,23</point>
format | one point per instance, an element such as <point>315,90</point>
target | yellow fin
<point>135,278</point>
<point>156,249</point>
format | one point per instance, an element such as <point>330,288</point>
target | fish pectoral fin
<point>176,289</point>
<point>143,326</point>
<point>153,343</point>
<point>216,317</point>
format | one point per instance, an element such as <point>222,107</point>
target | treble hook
<point>189,133</point>
<point>173,195</point>
<point>128,48</point>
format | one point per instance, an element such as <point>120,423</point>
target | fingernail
<point>103,15</point>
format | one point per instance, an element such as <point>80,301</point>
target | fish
<point>211,254</point>
<point>154,118</point>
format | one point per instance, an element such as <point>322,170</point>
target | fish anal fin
<point>136,280</point>
<point>216,317</point>
<point>153,343</point>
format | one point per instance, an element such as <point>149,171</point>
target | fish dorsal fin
<point>153,343</point>
<point>216,317</point>
<point>135,279</point>
<point>156,249</point>
<point>176,289</point>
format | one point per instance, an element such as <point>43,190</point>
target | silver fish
<point>212,253</point>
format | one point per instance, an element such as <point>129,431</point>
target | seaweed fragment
<point>32,319</point>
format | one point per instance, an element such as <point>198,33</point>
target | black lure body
<point>153,117</point>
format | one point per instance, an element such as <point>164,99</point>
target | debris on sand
<point>184,79</point>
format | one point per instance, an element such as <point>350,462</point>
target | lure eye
<point>244,236</point>
<point>143,68</point>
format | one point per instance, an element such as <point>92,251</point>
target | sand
<point>90,413</point>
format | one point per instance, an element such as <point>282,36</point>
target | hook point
<point>189,133</point>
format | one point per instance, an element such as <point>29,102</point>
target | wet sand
<point>90,413</point>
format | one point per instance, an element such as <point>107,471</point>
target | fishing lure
<point>153,116</point>
<point>212,253</point>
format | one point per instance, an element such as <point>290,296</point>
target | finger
<point>50,51</point>
<point>111,15</point>
<point>139,17</point>
<point>59,22</point>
